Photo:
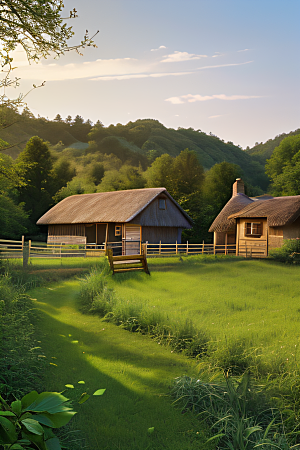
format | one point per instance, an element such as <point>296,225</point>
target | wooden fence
<point>28,250</point>
<point>11,249</point>
<point>189,249</point>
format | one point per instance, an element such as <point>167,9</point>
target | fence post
<point>146,248</point>
<point>26,253</point>
<point>214,248</point>
<point>226,244</point>
<point>202,247</point>
<point>23,242</point>
<point>176,248</point>
<point>159,250</point>
<point>187,247</point>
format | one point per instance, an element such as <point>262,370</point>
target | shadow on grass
<point>134,371</point>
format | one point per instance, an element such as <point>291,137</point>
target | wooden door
<point>132,239</point>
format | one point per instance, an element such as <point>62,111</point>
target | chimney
<point>238,187</point>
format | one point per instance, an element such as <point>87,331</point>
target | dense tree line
<point>137,155</point>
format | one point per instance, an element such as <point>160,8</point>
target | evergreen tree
<point>35,164</point>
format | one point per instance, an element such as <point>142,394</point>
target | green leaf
<point>55,420</point>
<point>33,426</point>
<point>74,342</point>
<point>16,447</point>
<point>150,430</point>
<point>17,407</point>
<point>53,444</point>
<point>36,439</point>
<point>8,433</point>
<point>51,402</point>
<point>7,414</point>
<point>83,398</point>
<point>99,392</point>
<point>251,430</point>
<point>81,382</point>
<point>28,399</point>
<point>69,386</point>
<point>216,436</point>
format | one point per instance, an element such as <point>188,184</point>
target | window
<point>118,230</point>
<point>161,203</point>
<point>253,229</point>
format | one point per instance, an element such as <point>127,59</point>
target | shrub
<point>289,253</point>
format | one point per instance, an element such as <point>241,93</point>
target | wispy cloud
<point>189,98</point>
<point>140,75</point>
<point>182,56</point>
<point>245,50</point>
<point>216,66</point>
<point>159,48</point>
<point>215,117</point>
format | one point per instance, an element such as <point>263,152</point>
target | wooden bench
<point>127,263</point>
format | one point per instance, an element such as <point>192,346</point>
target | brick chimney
<point>238,187</point>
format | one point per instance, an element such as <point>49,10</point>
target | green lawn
<point>246,306</point>
<point>135,371</point>
<point>253,302</point>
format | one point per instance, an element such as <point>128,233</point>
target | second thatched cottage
<point>256,224</point>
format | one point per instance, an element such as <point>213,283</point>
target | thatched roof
<point>279,211</point>
<point>117,206</point>
<point>222,223</point>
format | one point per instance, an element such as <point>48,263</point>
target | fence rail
<point>11,249</point>
<point>189,249</point>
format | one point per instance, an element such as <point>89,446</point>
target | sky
<point>226,67</point>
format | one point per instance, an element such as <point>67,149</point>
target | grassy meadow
<point>246,308</point>
<point>209,314</point>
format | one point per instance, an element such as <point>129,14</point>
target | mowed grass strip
<point>255,303</point>
<point>135,371</point>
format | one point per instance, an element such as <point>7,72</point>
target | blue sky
<point>230,67</point>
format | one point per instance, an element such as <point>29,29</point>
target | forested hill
<point>138,142</point>
<point>261,152</point>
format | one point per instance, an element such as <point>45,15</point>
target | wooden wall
<point>167,235</point>
<point>169,217</point>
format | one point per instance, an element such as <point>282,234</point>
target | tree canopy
<point>283,167</point>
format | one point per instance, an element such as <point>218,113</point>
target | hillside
<point>261,152</point>
<point>137,143</point>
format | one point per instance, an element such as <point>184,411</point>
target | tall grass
<point>20,355</point>
<point>180,334</point>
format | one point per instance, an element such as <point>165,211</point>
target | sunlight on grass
<point>135,372</point>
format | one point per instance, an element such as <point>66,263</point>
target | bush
<point>289,253</point>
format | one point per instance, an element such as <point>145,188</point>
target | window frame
<point>254,229</point>
<point>118,230</point>
<point>159,204</point>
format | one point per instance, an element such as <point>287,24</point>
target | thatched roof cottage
<point>256,224</point>
<point>128,217</point>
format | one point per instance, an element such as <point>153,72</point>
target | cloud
<point>224,65</point>
<point>182,56</point>
<point>140,75</point>
<point>189,98</point>
<point>215,117</point>
<point>245,50</point>
<point>159,48</point>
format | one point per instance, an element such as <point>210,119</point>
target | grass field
<point>248,310</point>
<point>134,370</point>
<point>251,305</point>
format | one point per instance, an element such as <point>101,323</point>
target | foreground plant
<point>28,423</point>
<point>237,412</point>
